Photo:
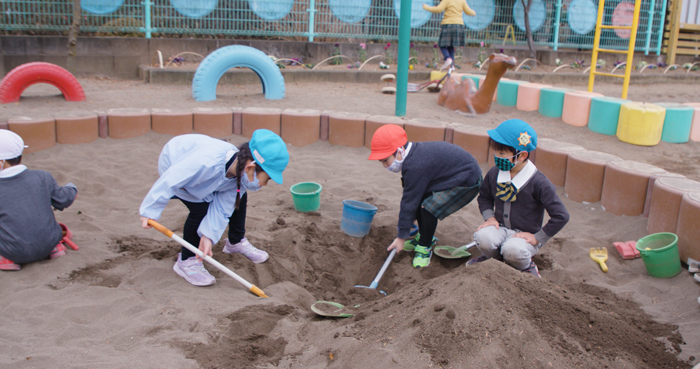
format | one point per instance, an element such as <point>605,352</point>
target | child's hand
<point>144,223</point>
<point>205,247</point>
<point>397,244</point>
<point>425,6</point>
<point>489,222</point>
<point>529,237</point>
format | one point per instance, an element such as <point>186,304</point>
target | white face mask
<point>249,185</point>
<point>395,166</point>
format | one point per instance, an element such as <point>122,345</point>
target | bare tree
<point>528,32</point>
<point>73,37</point>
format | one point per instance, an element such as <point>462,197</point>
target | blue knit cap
<point>516,134</point>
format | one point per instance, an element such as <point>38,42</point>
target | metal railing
<point>555,23</point>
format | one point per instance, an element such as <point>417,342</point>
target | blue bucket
<point>357,218</point>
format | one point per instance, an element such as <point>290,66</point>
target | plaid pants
<point>444,203</point>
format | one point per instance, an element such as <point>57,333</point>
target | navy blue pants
<point>236,224</point>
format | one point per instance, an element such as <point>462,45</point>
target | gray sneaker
<point>193,271</point>
<point>246,249</point>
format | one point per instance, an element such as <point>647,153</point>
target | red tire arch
<point>15,82</point>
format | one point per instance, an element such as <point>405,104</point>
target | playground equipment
<point>629,52</point>
<point>25,75</point>
<point>217,63</point>
<point>464,97</point>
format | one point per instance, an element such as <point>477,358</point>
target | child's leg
<point>236,223</point>
<point>489,240</point>
<point>237,243</point>
<point>451,50</point>
<point>517,252</point>
<point>427,224</point>
<point>197,212</point>
<point>446,52</point>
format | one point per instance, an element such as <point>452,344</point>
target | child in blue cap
<point>513,199</point>
<point>212,178</point>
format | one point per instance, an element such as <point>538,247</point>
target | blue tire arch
<point>217,63</point>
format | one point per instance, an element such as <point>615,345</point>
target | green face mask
<point>505,164</point>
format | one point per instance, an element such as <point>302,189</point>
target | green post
<point>312,15</point>
<point>557,21</point>
<point>402,58</point>
<point>147,17</point>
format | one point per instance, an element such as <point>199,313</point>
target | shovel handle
<point>603,266</point>
<point>70,243</point>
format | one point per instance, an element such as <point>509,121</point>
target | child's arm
<point>436,9</point>
<point>164,189</point>
<point>220,210</point>
<point>415,185</point>
<point>467,9</point>
<point>62,197</point>
<point>558,215</point>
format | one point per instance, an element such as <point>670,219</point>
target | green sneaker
<point>422,257</point>
<point>411,244</point>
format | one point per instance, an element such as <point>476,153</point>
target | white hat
<point>11,145</point>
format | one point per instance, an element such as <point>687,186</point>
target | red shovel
<point>67,236</point>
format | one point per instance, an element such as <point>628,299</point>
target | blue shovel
<point>375,282</point>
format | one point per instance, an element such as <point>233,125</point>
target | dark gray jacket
<point>432,167</point>
<point>28,228</point>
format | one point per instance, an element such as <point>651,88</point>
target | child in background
<point>212,178</point>
<point>438,178</point>
<point>513,200</point>
<point>452,29</point>
<point>28,229</point>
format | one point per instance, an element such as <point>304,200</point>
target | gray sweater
<point>432,167</point>
<point>28,228</point>
<point>526,213</point>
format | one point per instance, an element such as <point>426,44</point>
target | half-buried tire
<point>217,63</point>
<point>25,75</point>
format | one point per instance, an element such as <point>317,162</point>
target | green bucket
<point>306,196</point>
<point>660,254</point>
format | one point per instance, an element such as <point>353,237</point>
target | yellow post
<point>596,42</point>
<point>630,51</point>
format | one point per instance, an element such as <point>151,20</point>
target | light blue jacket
<point>193,168</point>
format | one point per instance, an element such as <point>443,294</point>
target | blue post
<point>312,15</point>
<point>557,20</point>
<point>147,16</point>
<point>649,24</point>
<point>661,27</point>
<point>402,58</point>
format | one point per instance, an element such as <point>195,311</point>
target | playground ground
<point>117,303</point>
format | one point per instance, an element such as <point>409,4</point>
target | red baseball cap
<point>386,140</point>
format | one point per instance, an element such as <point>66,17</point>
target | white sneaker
<point>193,271</point>
<point>246,249</point>
<point>448,63</point>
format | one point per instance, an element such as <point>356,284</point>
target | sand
<point>117,303</point>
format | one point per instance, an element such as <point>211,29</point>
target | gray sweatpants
<point>500,243</point>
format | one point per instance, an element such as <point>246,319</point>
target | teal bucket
<point>660,254</point>
<point>306,196</point>
<point>357,218</point>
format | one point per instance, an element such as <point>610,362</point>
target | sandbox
<point>118,293</point>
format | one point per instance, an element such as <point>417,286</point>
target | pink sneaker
<point>57,251</point>
<point>193,271</point>
<point>9,265</point>
<point>246,249</point>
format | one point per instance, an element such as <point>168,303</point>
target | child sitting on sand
<point>438,179</point>
<point>452,29</point>
<point>28,229</point>
<point>212,178</point>
<point>513,200</point>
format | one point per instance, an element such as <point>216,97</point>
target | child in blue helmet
<point>513,199</point>
<point>212,178</point>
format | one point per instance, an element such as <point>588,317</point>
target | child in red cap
<point>513,200</point>
<point>438,179</point>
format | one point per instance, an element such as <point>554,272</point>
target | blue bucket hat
<point>516,134</point>
<point>270,152</point>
